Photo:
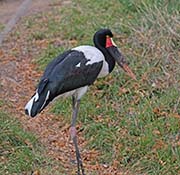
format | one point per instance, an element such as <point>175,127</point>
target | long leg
<point>74,136</point>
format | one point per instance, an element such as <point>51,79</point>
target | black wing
<point>55,62</point>
<point>69,71</point>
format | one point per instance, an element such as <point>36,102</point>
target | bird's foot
<point>80,166</point>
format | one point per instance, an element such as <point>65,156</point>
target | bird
<point>72,72</point>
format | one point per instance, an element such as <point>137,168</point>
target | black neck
<point>100,42</point>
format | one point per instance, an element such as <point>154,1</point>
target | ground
<point>18,77</point>
<point>16,74</point>
<point>123,124</point>
<point>12,6</point>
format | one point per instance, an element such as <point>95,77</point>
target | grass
<point>135,123</point>
<point>20,151</point>
<point>1,27</point>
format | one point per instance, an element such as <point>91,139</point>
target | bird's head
<point>104,39</point>
<point>40,99</point>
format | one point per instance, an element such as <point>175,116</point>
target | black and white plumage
<point>72,72</point>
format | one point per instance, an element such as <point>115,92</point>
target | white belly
<point>77,92</point>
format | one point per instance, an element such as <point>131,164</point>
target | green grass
<point>20,151</point>
<point>1,27</point>
<point>135,123</point>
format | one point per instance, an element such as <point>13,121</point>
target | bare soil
<point>9,7</point>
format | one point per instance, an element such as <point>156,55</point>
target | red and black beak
<point>119,58</point>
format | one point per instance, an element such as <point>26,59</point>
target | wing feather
<point>64,75</point>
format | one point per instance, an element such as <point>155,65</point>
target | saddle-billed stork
<point>72,72</point>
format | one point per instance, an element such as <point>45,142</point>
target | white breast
<point>105,70</point>
<point>94,55</point>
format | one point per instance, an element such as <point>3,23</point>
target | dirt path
<point>18,77</point>
<point>15,10</point>
<point>9,7</point>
